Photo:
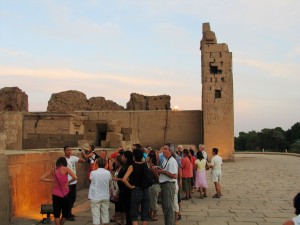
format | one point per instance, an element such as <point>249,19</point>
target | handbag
<point>114,192</point>
<point>206,166</point>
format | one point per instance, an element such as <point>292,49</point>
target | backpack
<point>147,180</point>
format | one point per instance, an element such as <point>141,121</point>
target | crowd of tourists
<point>135,180</point>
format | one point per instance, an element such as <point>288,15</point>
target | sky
<point>115,48</point>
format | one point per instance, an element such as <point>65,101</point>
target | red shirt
<point>187,167</point>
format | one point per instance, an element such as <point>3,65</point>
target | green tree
<point>293,134</point>
<point>295,147</point>
<point>252,142</point>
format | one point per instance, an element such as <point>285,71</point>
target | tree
<point>295,147</point>
<point>293,134</point>
<point>270,139</point>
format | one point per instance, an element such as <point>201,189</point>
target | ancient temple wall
<point>217,95</point>
<point>11,125</point>
<point>27,191</point>
<point>155,128</point>
<point>4,189</point>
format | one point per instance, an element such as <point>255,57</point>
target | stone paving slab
<point>257,190</point>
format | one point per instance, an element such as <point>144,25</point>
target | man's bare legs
<point>218,188</point>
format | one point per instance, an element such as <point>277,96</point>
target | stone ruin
<point>117,135</point>
<point>13,99</point>
<point>141,102</point>
<point>68,101</point>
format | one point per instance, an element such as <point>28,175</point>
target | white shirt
<point>296,220</point>
<point>216,161</point>
<point>171,166</point>
<point>72,165</point>
<point>204,155</point>
<point>99,187</point>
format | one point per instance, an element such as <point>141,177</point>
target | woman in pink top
<point>60,190</point>
<point>187,174</point>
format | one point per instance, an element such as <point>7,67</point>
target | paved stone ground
<point>257,190</point>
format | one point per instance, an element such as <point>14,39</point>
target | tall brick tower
<point>217,95</point>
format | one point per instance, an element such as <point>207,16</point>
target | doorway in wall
<point>101,134</point>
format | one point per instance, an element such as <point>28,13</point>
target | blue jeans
<point>140,197</point>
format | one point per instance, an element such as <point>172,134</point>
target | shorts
<point>60,206</point>
<point>216,175</point>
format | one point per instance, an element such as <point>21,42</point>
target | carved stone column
<point>4,181</point>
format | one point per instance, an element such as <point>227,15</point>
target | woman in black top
<point>125,192</point>
<point>139,195</point>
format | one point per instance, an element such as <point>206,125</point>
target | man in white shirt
<point>167,179</point>
<point>71,160</point>
<point>202,149</point>
<point>216,173</point>
<point>99,193</point>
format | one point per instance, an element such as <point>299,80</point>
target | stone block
<point>215,55</point>
<point>44,136</point>
<point>215,48</point>
<point>68,136</point>
<point>70,142</point>
<point>32,136</point>
<point>115,144</point>
<point>111,136</point>
<point>57,143</point>
<point>90,135</point>
<point>56,136</point>
<point>90,126</point>
<point>126,137</point>
<point>36,143</point>
<point>114,126</point>
<point>126,130</point>
<point>105,144</point>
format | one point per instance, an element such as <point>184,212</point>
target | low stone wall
<point>27,191</point>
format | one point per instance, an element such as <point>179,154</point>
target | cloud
<point>10,52</point>
<point>66,74</point>
<point>295,52</point>
<point>284,70</point>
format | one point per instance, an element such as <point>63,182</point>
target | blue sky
<point>114,48</point>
